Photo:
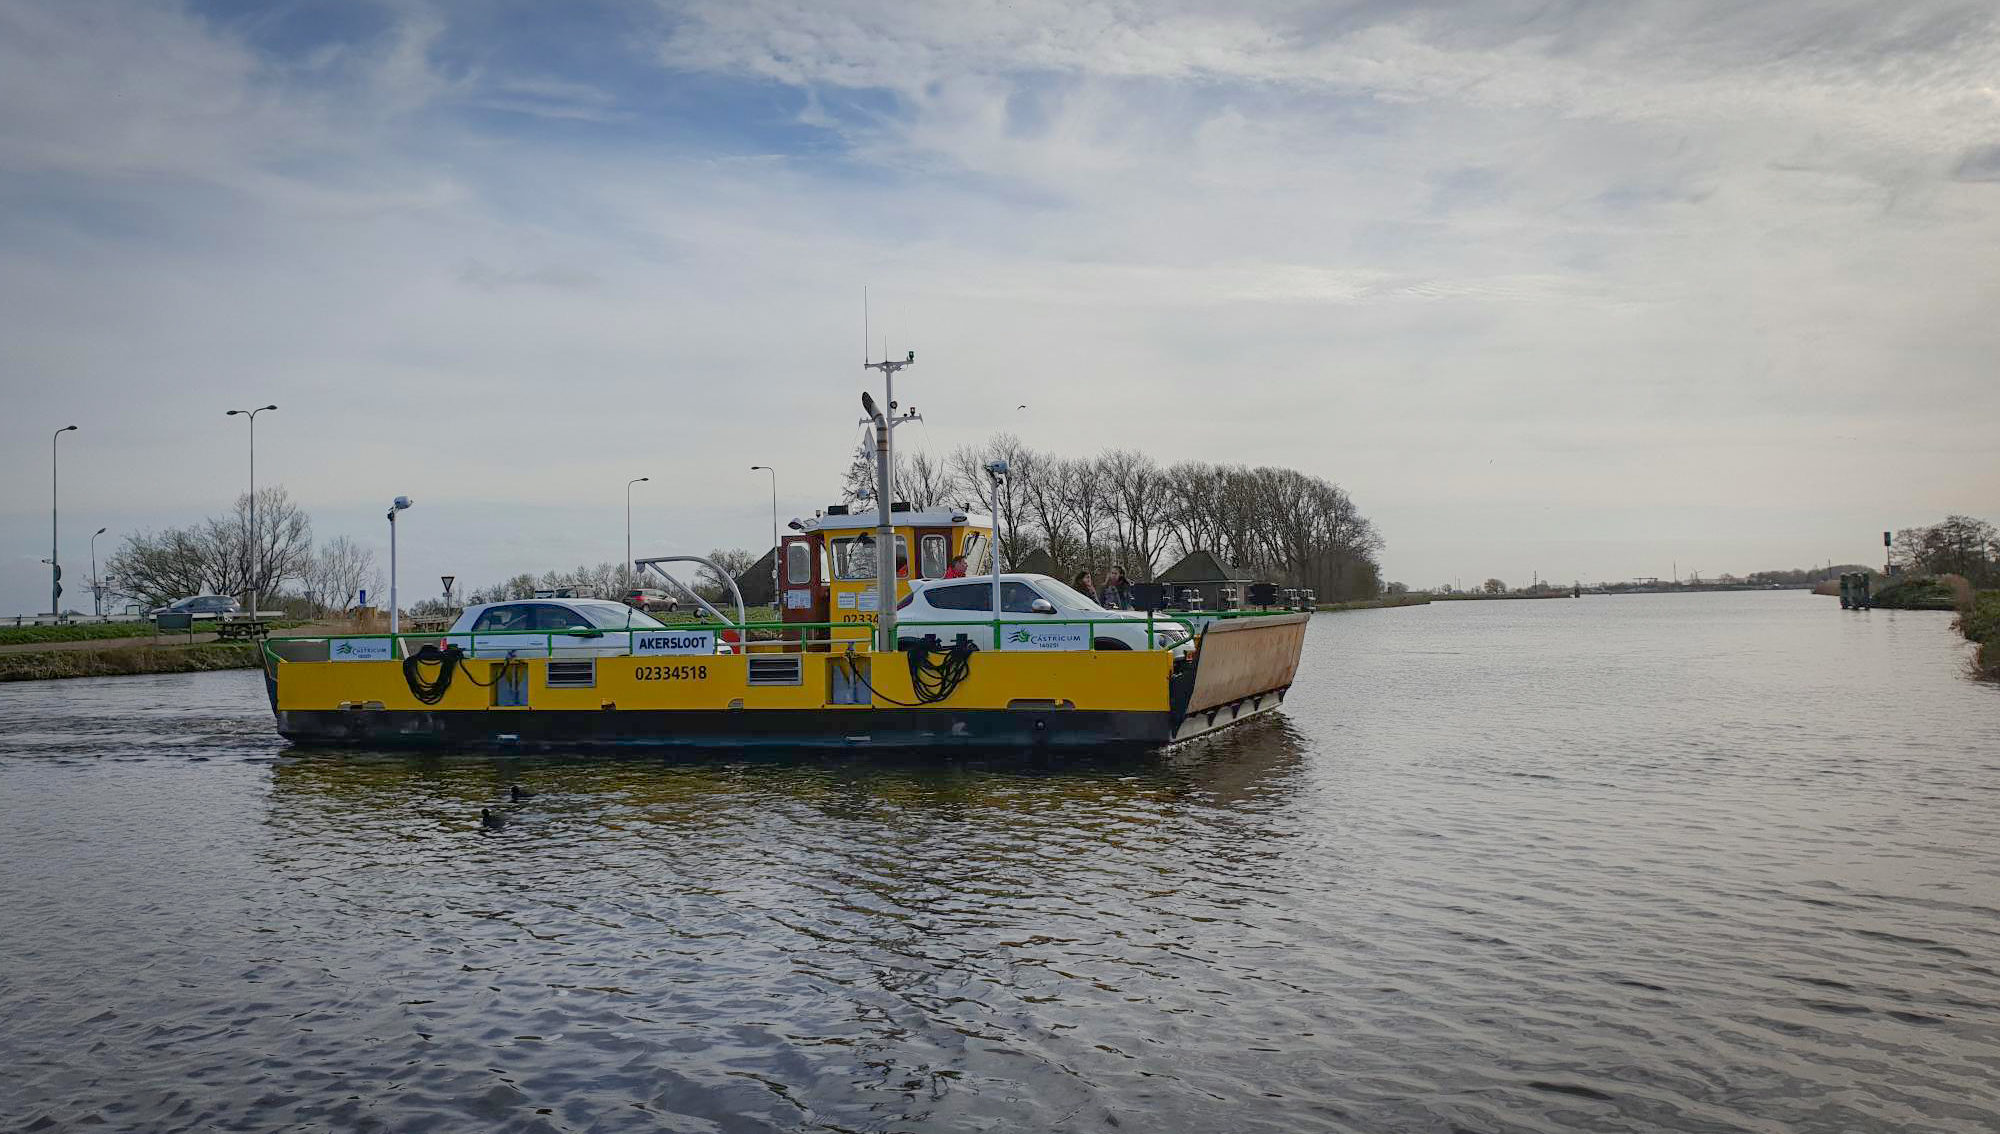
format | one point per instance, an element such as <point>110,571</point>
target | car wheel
<point>1110,644</point>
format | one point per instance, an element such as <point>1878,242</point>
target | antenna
<point>864,324</point>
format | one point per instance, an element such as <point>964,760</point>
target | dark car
<point>648,599</point>
<point>199,606</point>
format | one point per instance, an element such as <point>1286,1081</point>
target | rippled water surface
<point>1717,862</point>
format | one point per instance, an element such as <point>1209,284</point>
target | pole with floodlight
<point>774,527</point>
<point>55,555</point>
<point>96,585</point>
<point>400,504</point>
<point>254,559</point>
<point>628,517</point>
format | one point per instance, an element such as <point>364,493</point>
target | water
<point>1717,862</point>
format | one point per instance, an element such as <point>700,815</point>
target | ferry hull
<point>802,699</point>
<point>697,729</point>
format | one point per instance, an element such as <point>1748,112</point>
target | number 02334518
<point>671,673</point>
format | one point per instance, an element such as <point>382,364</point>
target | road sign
<point>448,581</point>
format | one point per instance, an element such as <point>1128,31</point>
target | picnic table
<point>241,629</point>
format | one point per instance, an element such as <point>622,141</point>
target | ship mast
<point>885,421</point>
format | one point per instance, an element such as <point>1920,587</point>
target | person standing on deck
<point>1084,587</point>
<point>1116,594</point>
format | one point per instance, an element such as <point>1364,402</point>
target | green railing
<point>596,641</point>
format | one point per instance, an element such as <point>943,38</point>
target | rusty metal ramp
<point>1244,667</point>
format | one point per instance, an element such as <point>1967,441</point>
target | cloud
<point>1460,258</point>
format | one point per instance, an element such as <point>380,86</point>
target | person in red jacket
<point>956,568</point>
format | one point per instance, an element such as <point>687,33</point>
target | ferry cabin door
<point>803,593</point>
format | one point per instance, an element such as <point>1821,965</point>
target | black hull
<point>905,729</point>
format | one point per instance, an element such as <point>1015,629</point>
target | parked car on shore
<point>648,598</point>
<point>970,599</point>
<point>199,607</point>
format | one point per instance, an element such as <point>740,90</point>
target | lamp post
<point>628,517</point>
<point>96,587</point>
<point>55,567</point>
<point>250,575</point>
<point>400,503</point>
<point>774,528</point>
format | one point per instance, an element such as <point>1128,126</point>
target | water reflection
<point>1728,865</point>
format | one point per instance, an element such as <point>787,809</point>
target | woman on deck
<point>1083,586</point>
<point>1116,594</point>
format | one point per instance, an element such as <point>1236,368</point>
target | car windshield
<point>612,616</point>
<point>1066,597</point>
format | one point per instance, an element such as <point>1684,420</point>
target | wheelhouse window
<point>931,561</point>
<point>798,564</point>
<point>854,558</point>
<point>975,554</point>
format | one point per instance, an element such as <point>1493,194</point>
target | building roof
<point>1036,562</point>
<point>865,520</point>
<point>755,581</point>
<point>1203,567</point>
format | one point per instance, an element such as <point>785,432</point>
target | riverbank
<point>1980,623</point>
<point>1947,593</point>
<point>1383,603</point>
<point>42,665</point>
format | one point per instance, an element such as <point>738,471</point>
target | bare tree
<point>1080,494</point>
<point>923,480</point>
<point>968,469</point>
<point>338,571</point>
<point>215,556</point>
<point>153,569</point>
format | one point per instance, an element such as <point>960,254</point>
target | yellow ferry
<point>975,657</point>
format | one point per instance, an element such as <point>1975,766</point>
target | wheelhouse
<point>828,564</point>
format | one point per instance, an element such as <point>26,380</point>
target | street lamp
<point>401,502</point>
<point>96,587</point>
<point>774,528</point>
<point>628,517</point>
<point>55,568</point>
<point>250,576</point>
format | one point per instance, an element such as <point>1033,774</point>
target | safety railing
<point>1163,630</point>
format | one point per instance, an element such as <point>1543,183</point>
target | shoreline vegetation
<point>125,661</point>
<point>1979,621</point>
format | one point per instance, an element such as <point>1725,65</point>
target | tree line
<point>1122,507</point>
<point>217,556</point>
<point>1956,545</point>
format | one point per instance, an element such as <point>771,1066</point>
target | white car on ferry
<point>1024,601</point>
<point>571,628</point>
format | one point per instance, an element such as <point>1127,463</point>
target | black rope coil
<point>449,660</point>
<point>431,690</point>
<point>936,674</point>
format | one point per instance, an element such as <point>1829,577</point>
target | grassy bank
<point>1915,594</point>
<point>1481,596</point>
<point>72,632</point>
<point>42,665</point>
<point>1377,603</point>
<point>1980,622</point>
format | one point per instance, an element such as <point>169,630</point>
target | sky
<point>1562,288</point>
